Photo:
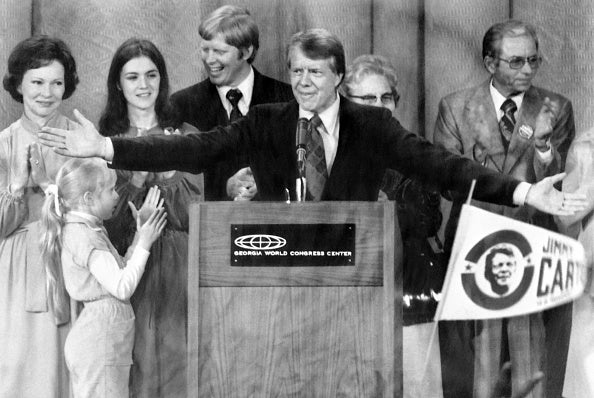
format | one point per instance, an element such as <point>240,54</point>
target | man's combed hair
<point>235,25</point>
<point>319,44</point>
<point>496,33</point>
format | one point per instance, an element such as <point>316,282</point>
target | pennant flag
<point>501,268</point>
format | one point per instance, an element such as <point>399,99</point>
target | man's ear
<point>338,79</point>
<point>490,64</point>
<point>247,52</point>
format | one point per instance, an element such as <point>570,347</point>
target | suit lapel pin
<point>525,131</point>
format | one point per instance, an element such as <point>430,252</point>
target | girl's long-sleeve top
<point>91,265</point>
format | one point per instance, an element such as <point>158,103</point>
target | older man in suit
<point>516,129</point>
<point>230,42</point>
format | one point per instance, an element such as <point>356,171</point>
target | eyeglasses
<point>386,99</point>
<point>519,62</point>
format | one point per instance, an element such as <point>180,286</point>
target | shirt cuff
<point>108,149</point>
<point>546,156</point>
<point>521,192</point>
<point>140,254</point>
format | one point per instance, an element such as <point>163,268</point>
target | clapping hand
<point>242,185</point>
<point>545,121</point>
<point>479,123</point>
<point>544,197</point>
<point>152,228</point>
<point>152,203</point>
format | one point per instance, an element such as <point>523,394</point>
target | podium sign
<point>303,245</point>
<point>321,316</point>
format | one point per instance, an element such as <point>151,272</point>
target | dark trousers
<point>456,340</point>
<point>557,323</point>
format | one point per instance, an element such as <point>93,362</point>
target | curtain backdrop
<point>434,45</point>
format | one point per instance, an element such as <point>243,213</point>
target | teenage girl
<point>78,253</point>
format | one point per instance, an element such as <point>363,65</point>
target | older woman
<point>137,105</point>
<point>34,310</point>
<point>371,80</point>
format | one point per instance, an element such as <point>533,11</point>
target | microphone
<point>300,144</point>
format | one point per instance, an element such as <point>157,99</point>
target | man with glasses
<point>508,125</point>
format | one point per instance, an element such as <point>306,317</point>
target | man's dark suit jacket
<point>201,106</point>
<point>370,140</point>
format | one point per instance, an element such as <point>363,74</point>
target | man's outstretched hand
<point>82,142</point>
<point>546,198</point>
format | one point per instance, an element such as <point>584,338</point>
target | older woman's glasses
<point>385,99</point>
<point>519,62</point>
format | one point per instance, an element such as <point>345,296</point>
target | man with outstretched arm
<point>357,143</point>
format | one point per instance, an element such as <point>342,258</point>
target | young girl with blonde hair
<point>79,256</point>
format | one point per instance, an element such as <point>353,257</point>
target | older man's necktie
<point>234,95</point>
<point>508,121</point>
<point>316,172</point>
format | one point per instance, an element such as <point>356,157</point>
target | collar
<point>246,87</point>
<point>33,127</point>
<point>90,220</point>
<point>155,130</point>
<point>498,98</point>
<point>329,116</point>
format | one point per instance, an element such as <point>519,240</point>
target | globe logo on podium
<point>260,242</point>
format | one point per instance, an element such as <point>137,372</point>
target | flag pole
<point>438,311</point>
<point>472,185</point>
<point>446,282</point>
<point>427,359</point>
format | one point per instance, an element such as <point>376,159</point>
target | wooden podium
<point>294,330</point>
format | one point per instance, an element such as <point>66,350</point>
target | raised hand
<point>82,142</point>
<point>478,120</point>
<point>546,198</point>
<point>151,203</point>
<point>37,166</point>
<point>544,124</point>
<point>152,228</point>
<point>242,186</point>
